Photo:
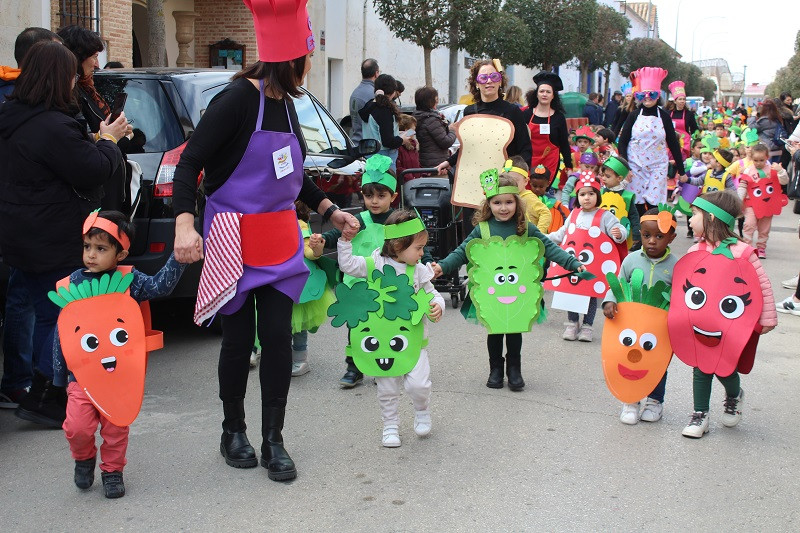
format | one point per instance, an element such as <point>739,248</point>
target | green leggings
<point>702,388</point>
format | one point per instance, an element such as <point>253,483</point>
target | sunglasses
<point>494,77</point>
<point>641,95</point>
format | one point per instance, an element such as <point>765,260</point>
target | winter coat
<point>51,177</point>
<point>434,137</point>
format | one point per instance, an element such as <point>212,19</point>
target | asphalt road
<point>552,458</point>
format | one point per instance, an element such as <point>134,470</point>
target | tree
<point>505,37</point>
<point>156,32</point>
<point>642,52</point>
<point>555,27</point>
<point>429,23</point>
<point>787,79</point>
<point>608,37</point>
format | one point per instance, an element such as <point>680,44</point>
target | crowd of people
<point>585,214</point>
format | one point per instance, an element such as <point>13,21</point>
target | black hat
<point>549,78</point>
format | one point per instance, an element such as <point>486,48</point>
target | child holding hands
<point>402,250</point>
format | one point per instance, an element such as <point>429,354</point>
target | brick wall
<point>115,27</point>
<point>220,19</point>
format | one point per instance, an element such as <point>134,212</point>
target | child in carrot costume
<point>100,321</point>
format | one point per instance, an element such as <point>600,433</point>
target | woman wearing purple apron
<point>250,146</point>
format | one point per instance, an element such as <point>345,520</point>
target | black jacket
<point>434,137</point>
<point>51,177</point>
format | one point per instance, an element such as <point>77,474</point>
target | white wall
<point>15,16</point>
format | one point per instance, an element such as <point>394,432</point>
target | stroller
<point>431,198</point>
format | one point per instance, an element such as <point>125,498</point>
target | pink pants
<point>80,426</point>
<point>751,224</point>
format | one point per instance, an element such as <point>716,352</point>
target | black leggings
<point>275,334</point>
<point>513,346</point>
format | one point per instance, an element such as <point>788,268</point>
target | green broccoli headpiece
<point>107,284</point>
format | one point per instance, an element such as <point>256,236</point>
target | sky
<point>756,33</point>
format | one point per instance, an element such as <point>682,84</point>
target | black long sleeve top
<point>559,132</point>
<point>385,120</point>
<point>669,132</point>
<point>521,143</point>
<point>688,116</point>
<point>221,138</point>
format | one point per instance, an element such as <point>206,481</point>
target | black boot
<point>514,372</point>
<point>495,380</point>
<point>274,457</point>
<point>235,447</point>
<point>45,404</point>
<point>84,473</point>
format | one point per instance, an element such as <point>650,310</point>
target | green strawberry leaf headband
<point>490,183</point>
<point>376,171</point>
<point>404,229</point>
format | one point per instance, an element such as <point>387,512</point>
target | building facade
<point>346,32</point>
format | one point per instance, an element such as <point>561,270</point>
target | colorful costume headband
<point>665,218</point>
<point>587,178</point>
<point>750,137</point>
<point>721,160</point>
<point>584,132</point>
<point>589,158</point>
<point>615,164</point>
<point>490,183</point>
<point>708,207</point>
<point>710,143</point>
<point>627,88</point>
<point>541,171</point>
<point>95,221</point>
<point>283,29</point>
<point>376,170</point>
<point>404,229</point>
<point>508,166</point>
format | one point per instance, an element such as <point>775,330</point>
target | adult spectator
<point>399,89</point>
<point>612,109</point>
<point>514,95</point>
<point>252,117</point>
<point>790,121</point>
<point>19,313</point>
<point>363,93</point>
<point>593,111</point>
<point>113,64</point>
<point>627,106</point>
<point>379,119</point>
<point>86,45</point>
<point>547,124</point>
<point>49,179</point>
<point>647,139</point>
<point>768,127</point>
<point>433,134</point>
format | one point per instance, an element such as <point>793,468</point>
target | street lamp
<point>744,84</point>
<point>677,19</point>
<point>694,33</point>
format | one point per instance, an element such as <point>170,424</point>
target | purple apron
<point>266,202</point>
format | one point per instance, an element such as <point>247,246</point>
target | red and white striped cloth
<point>222,267</point>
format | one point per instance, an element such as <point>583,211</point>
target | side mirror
<point>365,148</point>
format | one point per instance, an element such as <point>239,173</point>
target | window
<point>84,13</point>
<point>155,126</point>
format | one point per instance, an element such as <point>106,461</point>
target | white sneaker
<point>733,410</point>
<point>630,413</point>
<point>391,437</point>
<point>585,334</point>
<point>697,426</point>
<point>653,409</point>
<point>571,333</point>
<point>255,357</point>
<point>298,369</point>
<point>422,423</point>
<point>790,283</point>
<point>788,306</point>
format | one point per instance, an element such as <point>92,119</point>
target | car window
<point>149,111</point>
<point>321,134</point>
<point>208,95</point>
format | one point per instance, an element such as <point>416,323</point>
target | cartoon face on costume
<point>713,184</point>
<point>715,306</point>
<point>103,341</point>
<point>765,196</point>
<point>504,283</point>
<point>596,251</point>
<point>636,350</point>
<point>614,202</point>
<point>382,348</point>
<point>384,315</point>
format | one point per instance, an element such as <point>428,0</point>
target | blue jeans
<point>588,318</point>
<point>17,335</point>
<point>658,392</point>
<point>38,285</point>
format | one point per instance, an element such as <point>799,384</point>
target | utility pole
<point>744,85</point>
